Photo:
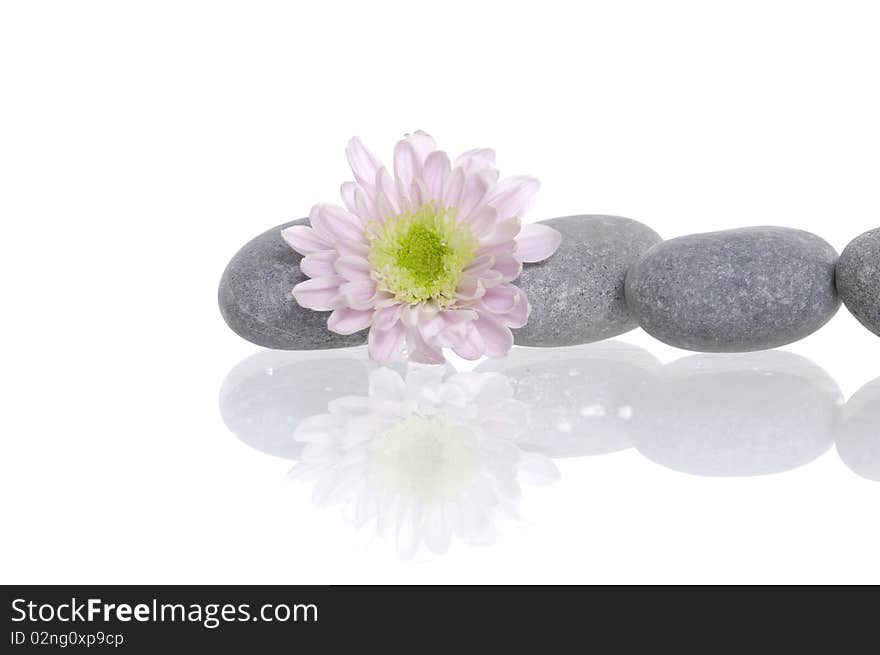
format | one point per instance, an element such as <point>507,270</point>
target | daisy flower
<point>425,256</point>
<point>423,458</point>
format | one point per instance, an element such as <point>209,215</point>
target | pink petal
<point>353,268</point>
<point>363,163</point>
<point>386,317</point>
<point>536,242</point>
<point>319,264</point>
<point>406,167</point>
<point>421,351</point>
<point>469,287</point>
<point>472,194</point>
<point>501,299</point>
<point>434,174</point>
<point>480,159</point>
<point>348,321</point>
<point>512,196</point>
<point>348,191</point>
<point>320,293</point>
<point>491,279</point>
<point>445,319</point>
<point>384,345</point>
<point>497,337</point>
<point>519,315</point>
<point>469,344</point>
<point>359,294</point>
<point>304,239</point>
<point>482,220</point>
<point>341,223</point>
<point>365,204</point>
<point>508,265</point>
<point>481,264</point>
<point>422,143</point>
<point>453,188</point>
<point>505,232</point>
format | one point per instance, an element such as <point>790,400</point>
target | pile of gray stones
<point>732,291</point>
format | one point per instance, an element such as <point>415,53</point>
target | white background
<point>141,144</point>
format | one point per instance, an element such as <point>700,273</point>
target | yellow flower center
<point>419,256</point>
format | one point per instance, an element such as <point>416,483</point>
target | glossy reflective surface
<point>426,456</point>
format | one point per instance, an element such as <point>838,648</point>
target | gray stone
<point>858,440</point>
<point>737,415</point>
<point>858,279</point>
<point>256,298</point>
<point>582,400</point>
<point>266,395</point>
<point>734,291</point>
<point>577,294</point>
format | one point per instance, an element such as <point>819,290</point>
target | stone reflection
<point>427,456</point>
<point>858,439</point>
<point>583,399</point>
<point>737,415</point>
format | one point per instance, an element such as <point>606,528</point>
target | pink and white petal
<point>473,192</point>
<point>348,191</point>
<point>363,163</point>
<point>501,299</point>
<point>345,320</point>
<point>453,188</point>
<point>383,299</point>
<point>420,192</point>
<point>365,204</point>
<point>359,294</point>
<point>385,186</point>
<point>482,220</point>
<point>423,143</point>
<point>385,345</point>
<point>353,268</point>
<point>479,159</point>
<point>319,264</point>
<point>342,223</point>
<point>508,266</point>
<point>420,350</point>
<point>349,248</point>
<point>491,279</point>
<point>443,320</point>
<point>511,197</point>
<point>481,264</point>
<point>504,233</point>
<point>536,242</point>
<point>320,293</point>
<point>407,167</point>
<point>409,315</point>
<point>519,315</point>
<point>304,239</point>
<point>434,173</point>
<point>497,338</point>
<point>469,288</point>
<point>466,343</point>
<point>386,317</point>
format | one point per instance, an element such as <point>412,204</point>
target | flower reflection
<point>423,457</point>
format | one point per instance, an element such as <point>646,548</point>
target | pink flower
<point>425,257</point>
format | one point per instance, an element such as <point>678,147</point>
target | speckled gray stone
<point>577,294</point>
<point>256,298</point>
<point>858,440</point>
<point>858,279</point>
<point>734,291</point>
<point>737,415</point>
